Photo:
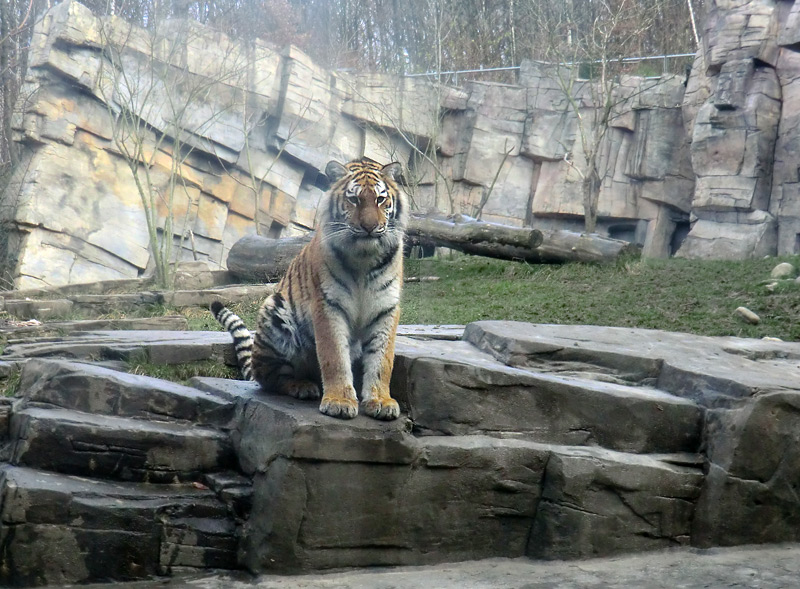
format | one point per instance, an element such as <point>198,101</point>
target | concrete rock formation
<point>555,442</point>
<point>713,155</point>
<point>742,110</point>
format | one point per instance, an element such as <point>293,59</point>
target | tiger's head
<point>366,205</point>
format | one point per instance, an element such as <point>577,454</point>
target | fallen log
<point>516,243</point>
<point>464,233</point>
<point>263,259</point>
<point>560,246</point>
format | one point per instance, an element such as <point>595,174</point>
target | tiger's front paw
<point>382,408</point>
<point>343,405</point>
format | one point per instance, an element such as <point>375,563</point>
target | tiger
<point>337,307</point>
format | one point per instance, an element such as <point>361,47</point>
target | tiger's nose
<point>369,226</point>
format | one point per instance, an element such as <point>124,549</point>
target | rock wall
<point>715,152</point>
<point>742,112</point>
<point>545,441</point>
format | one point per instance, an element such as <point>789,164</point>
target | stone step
<point>58,529</point>
<point>365,492</point>
<point>197,543</point>
<point>452,388</point>
<point>97,305</point>
<point>157,347</point>
<point>18,331</point>
<point>714,372</point>
<point>103,446</point>
<point>102,391</point>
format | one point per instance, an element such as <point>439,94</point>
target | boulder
<point>752,474</point>
<point>730,236</point>
<point>608,503</point>
<point>783,270</point>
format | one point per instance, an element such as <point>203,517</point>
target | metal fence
<point>651,66</point>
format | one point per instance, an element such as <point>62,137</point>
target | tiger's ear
<point>335,171</point>
<point>393,171</point>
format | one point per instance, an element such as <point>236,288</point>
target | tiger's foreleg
<point>378,361</point>
<point>332,335</point>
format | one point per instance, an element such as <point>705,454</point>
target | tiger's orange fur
<point>338,304</point>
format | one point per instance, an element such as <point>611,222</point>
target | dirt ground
<point>764,567</point>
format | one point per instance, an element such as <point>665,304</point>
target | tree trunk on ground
<point>464,233</point>
<point>516,243</point>
<point>262,259</point>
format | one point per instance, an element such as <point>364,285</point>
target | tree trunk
<point>546,246</point>
<point>262,259</point>
<point>461,232</point>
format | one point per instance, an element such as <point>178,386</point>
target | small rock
<point>783,270</point>
<point>767,338</point>
<point>747,315</point>
<point>771,286</point>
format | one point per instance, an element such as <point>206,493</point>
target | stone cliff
<point>741,109</point>
<point>711,156</point>
<point>546,441</point>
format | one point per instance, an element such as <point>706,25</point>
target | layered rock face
<point>257,127</point>
<point>558,442</point>
<point>742,105</point>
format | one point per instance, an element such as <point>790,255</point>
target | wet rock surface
<point>517,440</point>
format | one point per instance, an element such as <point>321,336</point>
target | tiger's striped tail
<point>242,339</point>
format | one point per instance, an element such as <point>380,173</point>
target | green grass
<point>181,373</point>
<point>676,295</point>
<point>690,296</point>
<point>10,384</point>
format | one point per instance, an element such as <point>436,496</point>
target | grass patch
<point>10,384</point>
<point>676,295</point>
<point>181,373</point>
<point>692,296</point>
<point>201,319</point>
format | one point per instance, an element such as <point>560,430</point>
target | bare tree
<point>16,18</point>
<point>587,64</point>
<point>160,111</point>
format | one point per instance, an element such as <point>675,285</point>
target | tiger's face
<point>365,205</point>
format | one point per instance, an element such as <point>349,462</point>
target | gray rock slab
<point>597,503</point>
<point>546,440</point>
<point>753,473</point>
<point>104,446</point>
<point>429,497</point>
<point>486,488</point>
<point>32,309</point>
<point>158,347</point>
<point>452,388</point>
<point>23,329</point>
<point>101,391</point>
<point>713,371</point>
<point>446,332</point>
<point>296,429</point>
<point>228,295</point>
<point>59,529</point>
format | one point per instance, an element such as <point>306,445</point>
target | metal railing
<point>665,69</point>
